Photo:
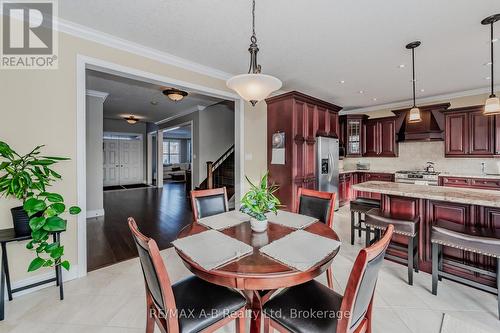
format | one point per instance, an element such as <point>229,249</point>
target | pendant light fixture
<point>492,105</point>
<point>414,116</point>
<point>254,86</point>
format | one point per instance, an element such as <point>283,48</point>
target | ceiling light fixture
<point>422,90</point>
<point>492,104</point>
<point>131,120</point>
<point>402,66</point>
<point>175,95</point>
<point>254,86</point>
<point>414,116</point>
<point>341,81</point>
<point>361,92</point>
<point>374,99</point>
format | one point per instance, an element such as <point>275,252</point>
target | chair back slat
<point>358,297</point>
<point>157,281</point>
<point>210,202</point>
<point>320,205</point>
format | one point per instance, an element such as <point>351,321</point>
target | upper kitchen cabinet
<point>379,137</point>
<point>301,118</point>
<point>469,133</point>
<point>354,135</point>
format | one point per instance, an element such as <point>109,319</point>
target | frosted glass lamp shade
<point>254,88</point>
<point>492,106</point>
<point>414,116</point>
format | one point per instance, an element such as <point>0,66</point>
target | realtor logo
<point>29,37</point>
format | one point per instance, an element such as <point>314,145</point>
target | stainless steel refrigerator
<point>327,161</point>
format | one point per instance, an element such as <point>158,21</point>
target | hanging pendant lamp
<point>492,105</point>
<point>414,116</point>
<point>254,86</point>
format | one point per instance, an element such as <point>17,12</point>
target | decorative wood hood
<point>431,128</point>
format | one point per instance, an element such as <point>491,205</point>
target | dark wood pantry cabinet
<point>302,118</point>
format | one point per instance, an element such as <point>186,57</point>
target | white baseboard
<point>67,276</point>
<point>95,213</point>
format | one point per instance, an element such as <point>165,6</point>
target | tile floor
<point>111,300</point>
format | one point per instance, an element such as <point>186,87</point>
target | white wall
<point>216,134</point>
<point>121,126</point>
<point>94,162</point>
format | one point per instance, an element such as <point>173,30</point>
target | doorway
<point>122,159</point>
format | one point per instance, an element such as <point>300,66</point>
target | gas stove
<point>417,177</point>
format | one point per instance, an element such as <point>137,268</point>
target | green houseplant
<point>26,178</point>
<point>259,201</point>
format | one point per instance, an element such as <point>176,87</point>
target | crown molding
<point>90,34</point>
<point>181,114</point>
<point>98,94</point>
<point>425,100</point>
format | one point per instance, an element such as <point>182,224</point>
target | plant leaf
<point>65,264</point>
<point>54,197</point>
<point>54,223</point>
<point>57,252</point>
<point>74,210</point>
<point>33,206</point>
<point>37,222</point>
<point>36,264</point>
<point>58,207</point>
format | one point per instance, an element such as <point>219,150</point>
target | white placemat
<point>224,220</point>
<point>300,249</point>
<point>292,220</point>
<point>211,249</point>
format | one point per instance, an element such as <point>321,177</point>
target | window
<point>189,151</point>
<point>171,151</point>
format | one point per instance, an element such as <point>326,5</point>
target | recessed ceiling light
<point>494,40</point>
<point>487,63</point>
<point>488,78</point>
<point>402,66</point>
<point>374,99</point>
<point>154,102</point>
<point>361,92</point>
<point>422,90</point>
<point>341,81</point>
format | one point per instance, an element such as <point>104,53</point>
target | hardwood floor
<point>159,213</point>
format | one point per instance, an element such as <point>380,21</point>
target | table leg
<point>2,287</point>
<point>256,317</point>
<point>7,274</point>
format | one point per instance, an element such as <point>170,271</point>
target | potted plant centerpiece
<point>259,201</point>
<point>26,178</point>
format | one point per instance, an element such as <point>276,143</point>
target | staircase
<point>221,173</point>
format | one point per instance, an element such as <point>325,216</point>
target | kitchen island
<point>470,207</point>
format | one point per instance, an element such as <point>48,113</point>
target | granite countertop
<point>442,174</point>
<point>366,171</point>
<point>488,198</point>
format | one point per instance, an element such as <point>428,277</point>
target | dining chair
<point>209,202</point>
<point>312,307</point>
<point>320,205</point>
<point>190,305</point>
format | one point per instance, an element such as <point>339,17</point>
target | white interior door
<point>130,162</point>
<point>111,161</point>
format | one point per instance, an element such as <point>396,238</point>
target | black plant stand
<point>7,236</point>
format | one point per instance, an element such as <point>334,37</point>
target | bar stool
<point>378,220</point>
<point>483,241</point>
<point>358,207</point>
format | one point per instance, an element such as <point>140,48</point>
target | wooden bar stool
<point>378,220</point>
<point>358,208</point>
<point>483,241</point>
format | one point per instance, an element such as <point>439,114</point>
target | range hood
<point>431,128</point>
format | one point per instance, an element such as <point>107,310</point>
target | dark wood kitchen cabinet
<point>469,133</point>
<point>379,137</point>
<point>301,118</point>
<point>345,188</point>
<point>469,182</point>
<point>371,176</point>
<point>354,135</point>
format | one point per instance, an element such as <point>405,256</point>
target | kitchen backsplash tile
<point>414,155</point>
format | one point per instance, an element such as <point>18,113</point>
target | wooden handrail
<point>212,166</point>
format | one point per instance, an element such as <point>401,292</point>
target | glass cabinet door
<point>353,137</point>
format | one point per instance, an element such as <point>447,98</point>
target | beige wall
<point>39,107</point>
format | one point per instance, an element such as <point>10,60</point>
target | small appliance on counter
<point>362,166</point>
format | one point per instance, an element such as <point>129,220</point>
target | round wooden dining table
<point>257,275</point>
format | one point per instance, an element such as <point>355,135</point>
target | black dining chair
<point>320,205</point>
<point>188,306</point>
<point>312,307</point>
<point>209,202</point>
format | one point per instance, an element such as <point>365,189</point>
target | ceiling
<point>313,45</point>
<point>130,97</point>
